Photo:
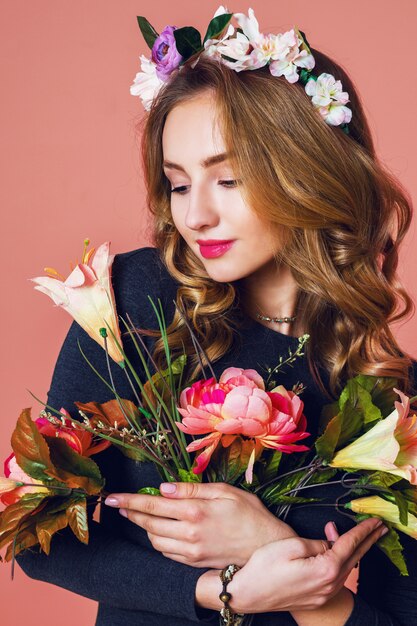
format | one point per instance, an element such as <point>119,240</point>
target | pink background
<point>70,169</point>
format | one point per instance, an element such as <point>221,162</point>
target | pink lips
<point>211,248</point>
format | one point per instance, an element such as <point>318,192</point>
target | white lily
<point>87,295</point>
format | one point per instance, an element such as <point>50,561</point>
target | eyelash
<point>221,182</point>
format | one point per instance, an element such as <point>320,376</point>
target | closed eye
<point>226,183</point>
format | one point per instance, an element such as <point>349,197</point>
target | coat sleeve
<point>111,569</point>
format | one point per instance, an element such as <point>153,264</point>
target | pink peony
<point>239,406</point>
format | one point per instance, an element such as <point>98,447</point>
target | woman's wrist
<point>208,589</point>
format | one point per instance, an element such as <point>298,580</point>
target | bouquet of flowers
<point>368,444</point>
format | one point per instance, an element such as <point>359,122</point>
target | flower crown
<point>244,48</point>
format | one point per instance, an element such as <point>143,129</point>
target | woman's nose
<point>201,211</point>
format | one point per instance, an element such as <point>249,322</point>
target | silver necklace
<point>277,320</point>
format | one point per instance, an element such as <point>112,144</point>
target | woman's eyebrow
<point>211,160</point>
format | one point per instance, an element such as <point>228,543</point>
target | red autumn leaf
<point>77,514</point>
<point>75,470</point>
<point>109,412</point>
<point>48,526</point>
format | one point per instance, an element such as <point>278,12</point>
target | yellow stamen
<point>53,273</point>
<point>86,244</point>
<point>89,255</point>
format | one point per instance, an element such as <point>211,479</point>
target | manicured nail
<point>168,487</point>
<point>123,512</point>
<point>111,501</point>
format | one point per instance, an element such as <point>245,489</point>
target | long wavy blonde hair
<point>344,215</point>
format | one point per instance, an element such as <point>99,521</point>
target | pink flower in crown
<point>87,295</point>
<point>329,99</point>
<point>165,54</point>
<point>239,406</point>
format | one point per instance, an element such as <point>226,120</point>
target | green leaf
<point>281,499</point>
<point>282,487</point>
<point>73,469</point>
<point>323,475</point>
<point>150,491</point>
<point>188,41</point>
<point>270,470</point>
<point>304,37</point>
<point>31,450</point>
<point>381,390</point>
<point>390,544</point>
<point>189,476</point>
<point>148,31</point>
<point>380,479</point>
<point>326,444</point>
<point>361,400</point>
<point>78,521</point>
<point>217,25</point>
<point>402,505</point>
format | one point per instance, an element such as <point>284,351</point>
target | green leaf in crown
<point>217,26</point>
<point>188,41</point>
<point>147,30</point>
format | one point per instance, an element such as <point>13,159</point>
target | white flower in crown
<point>292,54</point>
<point>146,83</point>
<point>211,46</point>
<point>249,49</point>
<point>329,99</point>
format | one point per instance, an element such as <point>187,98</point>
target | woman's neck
<point>272,292</point>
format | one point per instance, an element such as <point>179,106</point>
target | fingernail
<point>123,512</point>
<point>111,501</point>
<point>384,531</point>
<point>168,487</point>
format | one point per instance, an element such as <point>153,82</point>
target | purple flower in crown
<point>165,54</point>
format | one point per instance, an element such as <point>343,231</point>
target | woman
<point>315,222</point>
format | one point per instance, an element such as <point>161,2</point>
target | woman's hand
<point>203,524</point>
<point>296,574</point>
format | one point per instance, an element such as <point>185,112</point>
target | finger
<point>152,505</point>
<point>206,491</point>
<point>158,526</point>
<point>331,532</point>
<point>191,554</point>
<point>297,548</point>
<point>365,546</point>
<point>348,544</point>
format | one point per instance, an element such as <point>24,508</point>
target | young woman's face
<point>206,200</point>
